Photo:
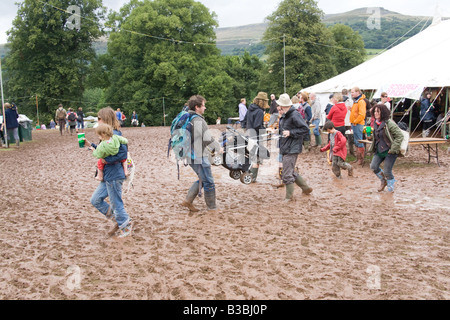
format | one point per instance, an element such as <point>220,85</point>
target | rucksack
<point>61,113</point>
<point>180,136</point>
<point>72,116</point>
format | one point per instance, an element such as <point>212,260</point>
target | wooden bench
<point>427,143</point>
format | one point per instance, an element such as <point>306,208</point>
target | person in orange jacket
<point>357,121</point>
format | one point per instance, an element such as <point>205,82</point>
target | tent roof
<point>420,61</point>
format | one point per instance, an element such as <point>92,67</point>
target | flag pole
<point>3,105</point>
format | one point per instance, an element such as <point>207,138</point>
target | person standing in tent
<point>202,142</point>
<point>60,118</point>
<point>358,120</point>
<point>12,125</point>
<point>387,139</point>
<point>255,127</point>
<point>426,113</point>
<point>316,111</point>
<point>385,100</point>
<point>293,129</point>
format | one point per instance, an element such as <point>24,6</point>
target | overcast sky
<point>242,12</point>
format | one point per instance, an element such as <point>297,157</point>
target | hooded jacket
<point>340,145</point>
<point>337,114</point>
<point>293,122</point>
<point>255,119</point>
<point>358,112</point>
<point>11,116</point>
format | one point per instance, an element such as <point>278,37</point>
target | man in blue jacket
<point>12,125</point>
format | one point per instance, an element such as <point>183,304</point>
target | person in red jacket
<point>338,150</point>
<point>338,112</point>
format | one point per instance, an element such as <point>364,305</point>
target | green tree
<point>349,50</point>
<point>47,57</point>
<point>308,46</point>
<point>165,48</point>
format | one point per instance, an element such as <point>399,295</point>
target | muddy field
<point>344,241</point>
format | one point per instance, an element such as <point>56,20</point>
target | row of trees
<point>160,53</point>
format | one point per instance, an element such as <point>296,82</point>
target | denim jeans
<point>204,172</point>
<point>15,132</point>
<point>113,190</point>
<point>389,161</point>
<point>316,130</point>
<point>80,125</point>
<point>358,134</point>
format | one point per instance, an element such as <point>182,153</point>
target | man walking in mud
<point>202,142</point>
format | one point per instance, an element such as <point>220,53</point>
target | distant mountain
<point>393,25</point>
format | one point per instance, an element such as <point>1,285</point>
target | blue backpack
<point>180,136</point>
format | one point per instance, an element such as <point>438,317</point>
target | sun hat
<point>284,100</point>
<point>262,96</point>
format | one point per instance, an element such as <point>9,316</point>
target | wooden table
<point>426,142</point>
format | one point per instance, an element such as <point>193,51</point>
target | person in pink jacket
<point>338,150</point>
<point>338,112</point>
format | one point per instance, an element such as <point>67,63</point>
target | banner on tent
<point>410,91</point>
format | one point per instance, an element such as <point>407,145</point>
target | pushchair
<point>237,156</point>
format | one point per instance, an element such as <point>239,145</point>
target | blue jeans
<point>316,123</point>
<point>358,134</point>
<point>204,172</point>
<point>15,132</point>
<point>80,125</point>
<point>113,190</point>
<point>389,161</point>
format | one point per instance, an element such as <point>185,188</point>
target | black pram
<point>239,153</point>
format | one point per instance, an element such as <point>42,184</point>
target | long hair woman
<point>387,139</point>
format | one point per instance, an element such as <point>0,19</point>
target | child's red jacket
<point>340,146</point>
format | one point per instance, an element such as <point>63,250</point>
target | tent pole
<point>3,106</point>
<point>410,116</point>
<point>446,118</point>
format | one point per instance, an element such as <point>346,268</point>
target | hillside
<point>393,26</point>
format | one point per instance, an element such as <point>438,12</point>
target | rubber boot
<point>191,195</point>
<point>289,192</point>
<point>382,178</point>
<point>303,185</point>
<point>390,185</point>
<point>350,170</point>
<point>318,140</point>
<point>358,157</point>
<point>361,152</point>
<point>254,172</point>
<point>17,143</point>
<point>210,199</point>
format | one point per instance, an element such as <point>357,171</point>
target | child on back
<point>108,146</point>
<point>338,150</point>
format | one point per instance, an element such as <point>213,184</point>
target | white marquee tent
<point>403,71</point>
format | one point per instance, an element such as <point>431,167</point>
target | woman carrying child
<point>113,178</point>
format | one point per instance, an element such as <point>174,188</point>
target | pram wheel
<point>235,174</point>
<point>216,160</point>
<point>246,177</point>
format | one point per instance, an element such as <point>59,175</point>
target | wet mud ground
<point>344,241</point>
